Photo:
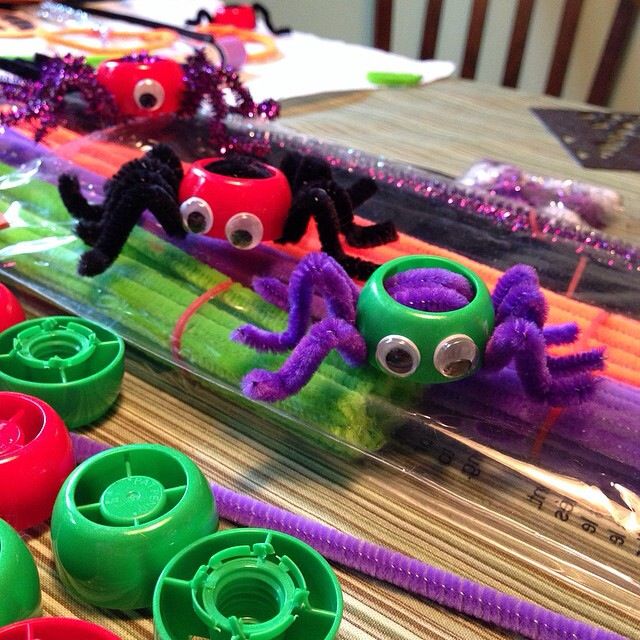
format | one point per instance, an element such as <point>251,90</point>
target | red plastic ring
<point>266,199</point>
<point>10,310</point>
<point>55,629</point>
<point>36,456</point>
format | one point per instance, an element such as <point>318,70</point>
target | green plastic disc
<point>19,581</point>
<point>247,583</point>
<point>121,516</point>
<point>73,364</point>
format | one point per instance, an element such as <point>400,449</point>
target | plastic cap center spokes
<point>132,500</point>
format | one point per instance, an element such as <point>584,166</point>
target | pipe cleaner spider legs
<point>304,172</point>
<point>328,334</point>
<point>150,182</point>
<point>206,82</point>
<point>315,272</point>
<point>317,195</point>
<point>520,335</point>
<point>43,99</point>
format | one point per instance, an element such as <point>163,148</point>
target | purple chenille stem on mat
<point>416,577</point>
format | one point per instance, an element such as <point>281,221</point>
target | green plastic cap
<point>19,581</point>
<point>423,346</point>
<point>74,365</point>
<point>247,584</point>
<point>121,516</point>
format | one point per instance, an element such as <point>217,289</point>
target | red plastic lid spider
<point>143,85</point>
<point>56,629</point>
<point>244,210</point>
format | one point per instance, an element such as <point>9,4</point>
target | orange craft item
<point>76,38</point>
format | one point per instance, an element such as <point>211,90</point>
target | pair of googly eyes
<point>148,94</point>
<point>455,357</point>
<point>243,230</point>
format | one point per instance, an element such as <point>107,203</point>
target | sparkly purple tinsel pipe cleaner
<point>162,83</point>
<point>416,577</point>
<point>519,335</point>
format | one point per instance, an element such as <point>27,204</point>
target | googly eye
<point>244,231</point>
<point>398,355</point>
<point>148,94</point>
<point>197,216</point>
<point>456,356</point>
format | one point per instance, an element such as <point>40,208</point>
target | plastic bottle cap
<point>10,310</point>
<point>19,581</point>
<point>55,629</point>
<point>247,583</point>
<point>423,346</point>
<point>73,364</point>
<point>36,456</point>
<point>121,516</point>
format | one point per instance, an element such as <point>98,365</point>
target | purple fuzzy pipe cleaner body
<point>416,577</point>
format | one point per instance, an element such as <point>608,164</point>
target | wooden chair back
<point>604,77</point>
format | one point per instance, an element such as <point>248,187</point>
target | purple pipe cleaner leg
<point>273,291</point>
<point>315,272</point>
<point>561,333</point>
<point>415,577</point>
<point>521,311</point>
<point>328,334</point>
<point>576,362</point>
<point>522,341</point>
<point>521,274</point>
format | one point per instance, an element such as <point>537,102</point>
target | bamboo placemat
<point>359,496</point>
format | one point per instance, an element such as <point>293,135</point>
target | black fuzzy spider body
<point>237,198</point>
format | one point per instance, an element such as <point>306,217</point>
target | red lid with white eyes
<point>36,456</point>
<point>143,88</point>
<point>244,211</point>
<point>55,629</point>
<point>10,310</point>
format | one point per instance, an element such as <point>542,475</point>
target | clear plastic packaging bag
<point>560,488</point>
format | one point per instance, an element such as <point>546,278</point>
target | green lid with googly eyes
<point>423,346</point>
<point>74,365</point>
<point>247,583</point>
<point>19,581</point>
<point>121,516</point>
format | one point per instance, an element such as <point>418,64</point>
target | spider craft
<point>134,86</point>
<point>423,318</point>
<point>235,197</point>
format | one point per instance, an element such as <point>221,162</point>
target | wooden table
<point>445,126</point>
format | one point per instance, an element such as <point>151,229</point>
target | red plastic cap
<point>143,89</point>
<point>36,456</point>
<point>10,310</point>
<point>55,629</point>
<point>234,206</point>
<point>242,16</point>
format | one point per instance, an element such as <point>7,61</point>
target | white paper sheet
<point>308,65</point>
